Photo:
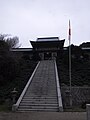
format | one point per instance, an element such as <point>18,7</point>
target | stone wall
<point>80,96</point>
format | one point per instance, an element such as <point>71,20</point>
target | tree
<point>87,44</point>
<point>8,65</point>
<point>76,50</point>
<point>4,48</point>
<point>13,42</point>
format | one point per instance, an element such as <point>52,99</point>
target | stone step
<point>41,95</point>
<point>26,99</point>
<point>46,100</point>
<point>38,102</point>
<point>41,92</point>
<point>43,89</point>
<point>42,86</point>
<point>39,109</point>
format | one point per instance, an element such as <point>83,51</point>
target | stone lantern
<point>14,94</point>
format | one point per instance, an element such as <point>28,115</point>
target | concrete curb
<point>58,90</point>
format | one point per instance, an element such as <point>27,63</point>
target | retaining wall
<point>80,96</point>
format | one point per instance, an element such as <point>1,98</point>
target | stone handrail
<point>58,89</point>
<point>88,111</point>
<point>15,106</point>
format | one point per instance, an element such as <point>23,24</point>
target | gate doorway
<point>47,56</point>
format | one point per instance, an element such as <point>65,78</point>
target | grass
<point>5,107</point>
<point>75,109</point>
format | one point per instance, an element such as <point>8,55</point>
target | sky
<point>30,19</point>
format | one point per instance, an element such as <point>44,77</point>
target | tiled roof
<point>48,39</point>
<point>21,49</point>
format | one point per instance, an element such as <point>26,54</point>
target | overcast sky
<point>29,19</point>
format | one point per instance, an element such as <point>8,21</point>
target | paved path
<point>43,116</point>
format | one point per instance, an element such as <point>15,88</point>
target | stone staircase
<point>41,94</point>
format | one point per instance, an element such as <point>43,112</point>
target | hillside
<point>14,73</point>
<point>80,68</point>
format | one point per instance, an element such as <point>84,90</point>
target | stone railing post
<point>88,111</point>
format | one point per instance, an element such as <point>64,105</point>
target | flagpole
<point>70,79</point>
